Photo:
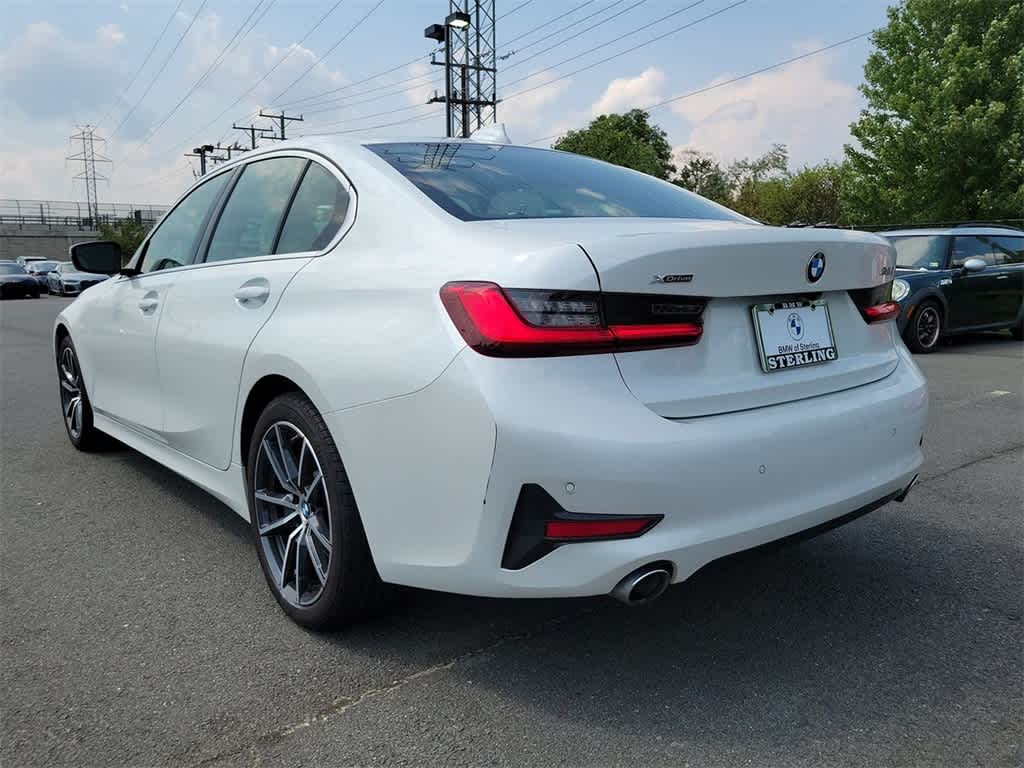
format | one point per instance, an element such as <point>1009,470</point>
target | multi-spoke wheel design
<point>293,513</point>
<point>71,402</point>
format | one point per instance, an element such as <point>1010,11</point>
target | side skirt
<point>227,486</point>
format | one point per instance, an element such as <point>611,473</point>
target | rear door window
<point>1009,250</point>
<point>316,214</point>
<point>251,219</point>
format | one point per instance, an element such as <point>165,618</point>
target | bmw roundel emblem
<point>816,267</point>
<point>795,326</point>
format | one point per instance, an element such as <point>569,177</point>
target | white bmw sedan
<point>493,370</point>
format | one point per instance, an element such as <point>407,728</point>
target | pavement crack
<point>972,462</point>
<point>343,704</point>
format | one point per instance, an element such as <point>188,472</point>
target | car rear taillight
<point>518,322</point>
<point>876,304</point>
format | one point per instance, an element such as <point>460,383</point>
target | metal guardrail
<point>72,215</point>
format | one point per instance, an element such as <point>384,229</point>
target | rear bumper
<point>466,445</point>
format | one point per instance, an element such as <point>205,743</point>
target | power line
<point>572,58</point>
<point>160,69</point>
<point>559,31</point>
<point>616,55</point>
<point>142,66</point>
<point>425,78</point>
<point>228,48</point>
<point>266,74</point>
<point>736,79</point>
<point>332,104</point>
<point>330,50</point>
<point>518,7</point>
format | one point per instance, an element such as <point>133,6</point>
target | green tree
<point>757,183</point>
<point>127,233</point>
<point>628,140</point>
<point>942,137</point>
<point>702,174</point>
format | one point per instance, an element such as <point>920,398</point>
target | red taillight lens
<point>597,529</point>
<point>517,322</point>
<point>876,304</point>
<point>879,313</point>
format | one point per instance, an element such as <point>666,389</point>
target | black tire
<point>1018,330</point>
<point>352,589</point>
<point>81,432</point>
<point>924,331</point>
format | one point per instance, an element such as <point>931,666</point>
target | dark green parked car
<point>958,279</point>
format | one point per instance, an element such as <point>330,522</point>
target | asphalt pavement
<point>136,629</point>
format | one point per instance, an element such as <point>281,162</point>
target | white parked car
<point>68,280</point>
<point>493,370</point>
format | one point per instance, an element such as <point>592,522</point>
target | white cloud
<point>798,105</point>
<point>419,90</point>
<point>625,93</point>
<point>535,112</point>
<point>109,34</point>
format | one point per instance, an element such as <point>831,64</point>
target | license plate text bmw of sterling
<point>492,370</point>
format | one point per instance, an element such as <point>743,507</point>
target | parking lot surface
<point>137,629</point>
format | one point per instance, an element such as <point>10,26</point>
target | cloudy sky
<point>159,77</point>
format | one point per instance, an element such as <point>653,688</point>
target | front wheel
<point>925,328</point>
<point>74,402</point>
<point>308,532</point>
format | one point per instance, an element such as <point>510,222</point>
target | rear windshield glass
<point>11,269</point>
<point>480,181</point>
<point>920,251</point>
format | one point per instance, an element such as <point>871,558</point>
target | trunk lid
<point>735,266</point>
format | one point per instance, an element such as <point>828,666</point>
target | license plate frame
<point>801,354</point>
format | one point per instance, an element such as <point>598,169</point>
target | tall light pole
<point>469,56</point>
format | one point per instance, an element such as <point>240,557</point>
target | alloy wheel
<point>71,392</point>
<point>928,326</point>
<point>293,513</point>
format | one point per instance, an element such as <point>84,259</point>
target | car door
<point>1008,269</point>
<point>121,326</point>
<point>972,296</point>
<point>281,213</point>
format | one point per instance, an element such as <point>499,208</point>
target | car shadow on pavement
<point>840,634</point>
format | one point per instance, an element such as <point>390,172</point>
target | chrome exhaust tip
<point>906,491</point>
<point>644,585</point>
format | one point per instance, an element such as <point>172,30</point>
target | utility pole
<point>203,152</point>
<point>470,87</point>
<point>88,157</point>
<point>252,130</point>
<point>281,121</point>
<point>229,149</point>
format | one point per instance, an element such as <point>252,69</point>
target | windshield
<point>42,266</point>
<point>480,181</point>
<point>920,251</point>
<point>66,266</point>
<point>11,269</point>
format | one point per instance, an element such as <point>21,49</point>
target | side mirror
<point>974,264</point>
<point>100,256</point>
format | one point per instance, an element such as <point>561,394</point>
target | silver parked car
<point>66,280</point>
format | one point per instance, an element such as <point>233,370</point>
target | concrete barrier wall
<point>47,243</point>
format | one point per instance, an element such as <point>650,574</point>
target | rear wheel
<point>308,533</point>
<point>925,328</point>
<point>74,401</point>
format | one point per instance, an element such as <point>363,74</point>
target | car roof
<point>962,229</point>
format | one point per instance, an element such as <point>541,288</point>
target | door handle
<point>148,304</point>
<point>253,293</point>
<point>1002,277</point>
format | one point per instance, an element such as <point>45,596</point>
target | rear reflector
<point>596,529</point>
<point>879,313</point>
<point>516,322</point>
<point>876,304</point>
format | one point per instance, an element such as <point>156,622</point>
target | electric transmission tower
<point>88,157</point>
<point>470,93</point>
